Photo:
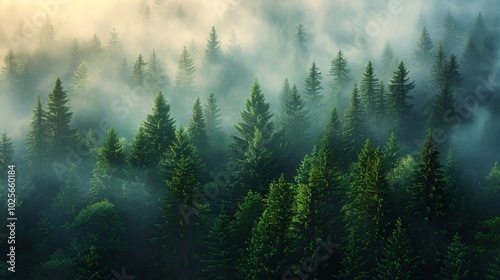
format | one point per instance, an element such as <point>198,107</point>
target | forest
<point>170,139</point>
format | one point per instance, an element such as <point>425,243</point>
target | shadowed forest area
<point>263,140</point>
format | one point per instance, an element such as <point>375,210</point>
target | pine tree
<point>217,262</point>
<point>36,142</point>
<point>94,49</point>
<point>313,88</point>
<point>470,53</point>
<point>388,61</point>
<point>380,106</point>
<point>184,78</point>
<point>138,73</point>
<point>141,155</point>
<point>452,31</point>
<point>391,152</point>
<point>179,234</point>
<point>154,74</point>
<point>114,46</point>
<point>256,117</point>
<point>109,170</point>
<point>270,243</point>
<point>437,68</point>
<point>301,52</point>
<point>423,52</point>
<point>398,260</point>
<point>457,265</point>
<point>213,50</point>
<point>80,85</point>
<point>367,215</point>
<point>452,74</point>
<point>11,69</point>
<point>213,120</point>
<point>355,127</point>
<point>442,109</point>
<point>398,99</point>
<point>295,124</point>
<point>284,94</point>
<point>197,129</point>
<point>58,116</point>
<point>159,128</point>
<point>429,204</point>
<point>339,71</point>
<point>368,89</point>
<point>6,150</point>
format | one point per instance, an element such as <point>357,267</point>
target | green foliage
<point>197,130</point>
<point>437,67</point>
<point>493,271</point>
<point>367,214</point>
<point>155,78</point>
<point>184,77</point>
<point>388,61</point>
<point>270,243</point>
<point>58,117</point>
<point>368,88</point>
<point>11,69</point>
<point>141,156</point>
<point>442,109</point>
<point>398,261</point>
<point>99,224</point>
<point>399,106</point>
<point>339,71</point>
<point>138,71</point>
<point>355,127</point>
<point>6,150</point>
<point>313,88</point>
<point>92,268</point>
<point>456,265</point>
<point>58,266</point>
<point>423,52</point>
<point>213,50</point>
<point>391,152</point>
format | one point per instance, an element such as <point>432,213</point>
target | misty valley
<point>168,139</point>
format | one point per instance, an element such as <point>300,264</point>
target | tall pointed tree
<point>58,116</point>
<point>138,73</point>
<point>388,61</point>
<point>456,264</point>
<point>313,88</point>
<point>184,77</point>
<point>355,127</point>
<point>36,142</point>
<point>155,78</point>
<point>213,50</point>
<point>213,119</point>
<point>270,243</point>
<point>197,129</point>
<point>368,89</point>
<point>423,51</point>
<point>6,150</point>
<point>443,109</point>
<point>339,71</point>
<point>437,67</point>
<point>399,105</point>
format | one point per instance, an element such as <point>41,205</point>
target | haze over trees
<point>257,141</point>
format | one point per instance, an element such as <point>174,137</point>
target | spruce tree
<point>368,89</point>
<point>217,262</point>
<point>80,85</point>
<point>179,238</point>
<point>284,93</point>
<point>94,49</point>
<point>423,52</point>
<point>184,77</point>
<point>452,31</point>
<point>380,107</point>
<point>58,116</point>
<point>270,243</point>
<point>388,61</point>
<point>367,215</point>
<point>213,119</point>
<point>429,204</point>
<point>114,46</point>
<point>456,265</point>
<point>11,70</point>
<point>155,78</point>
<point>437,67</point>
<point>6,150</point>
<point>159,128</point>
<point>213,50</point>
<point>141,154</point>
<point>313,88</point>
<point>452,74</point>
<point>138,71</point>
<point>339,71</point>
<point>197,129</point>
<point>399,106</point>
<point>355,127</point>
<point>36,142</point>
<point>391,152</point>
<point>295,124</point>
<point>301,52</point>
<point>442,109</point>
<point>398,261</point>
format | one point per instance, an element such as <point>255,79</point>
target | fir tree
<point>452,31</point>
<point>354,130</point>
<point>301,52</point>
<point>284,94</point>
<point>398,99</point>
<point>141,154</point>
<point>11,69</point>
<point>184,77</point>
<point>80,84</point>
<point>398,260</point>
<point>154,74</point>
<point>213,50</point>
<point>367,215</point>
<point>380,106</point>
<point>213,120</point>
<point>388,61</point>
<point>159,128</point>
<point>270,243</point>
<point>114,45</point>
<point>442,109</point>
<point>457,265</point>
<point>294,126</point>
<point>6,151</point>
<point>58,116</point>
<point>94,49</point>
<point>313,88</point>
<point>423,52</point>
<point>138,71</point>
<point>179,241</point>
<point>452,74</point>
<point>437,67</point>
<point>36,142</point>
<point>197,129</point>
<point>339,71</point>
<point>391,152</point>
<point>368,88</point>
